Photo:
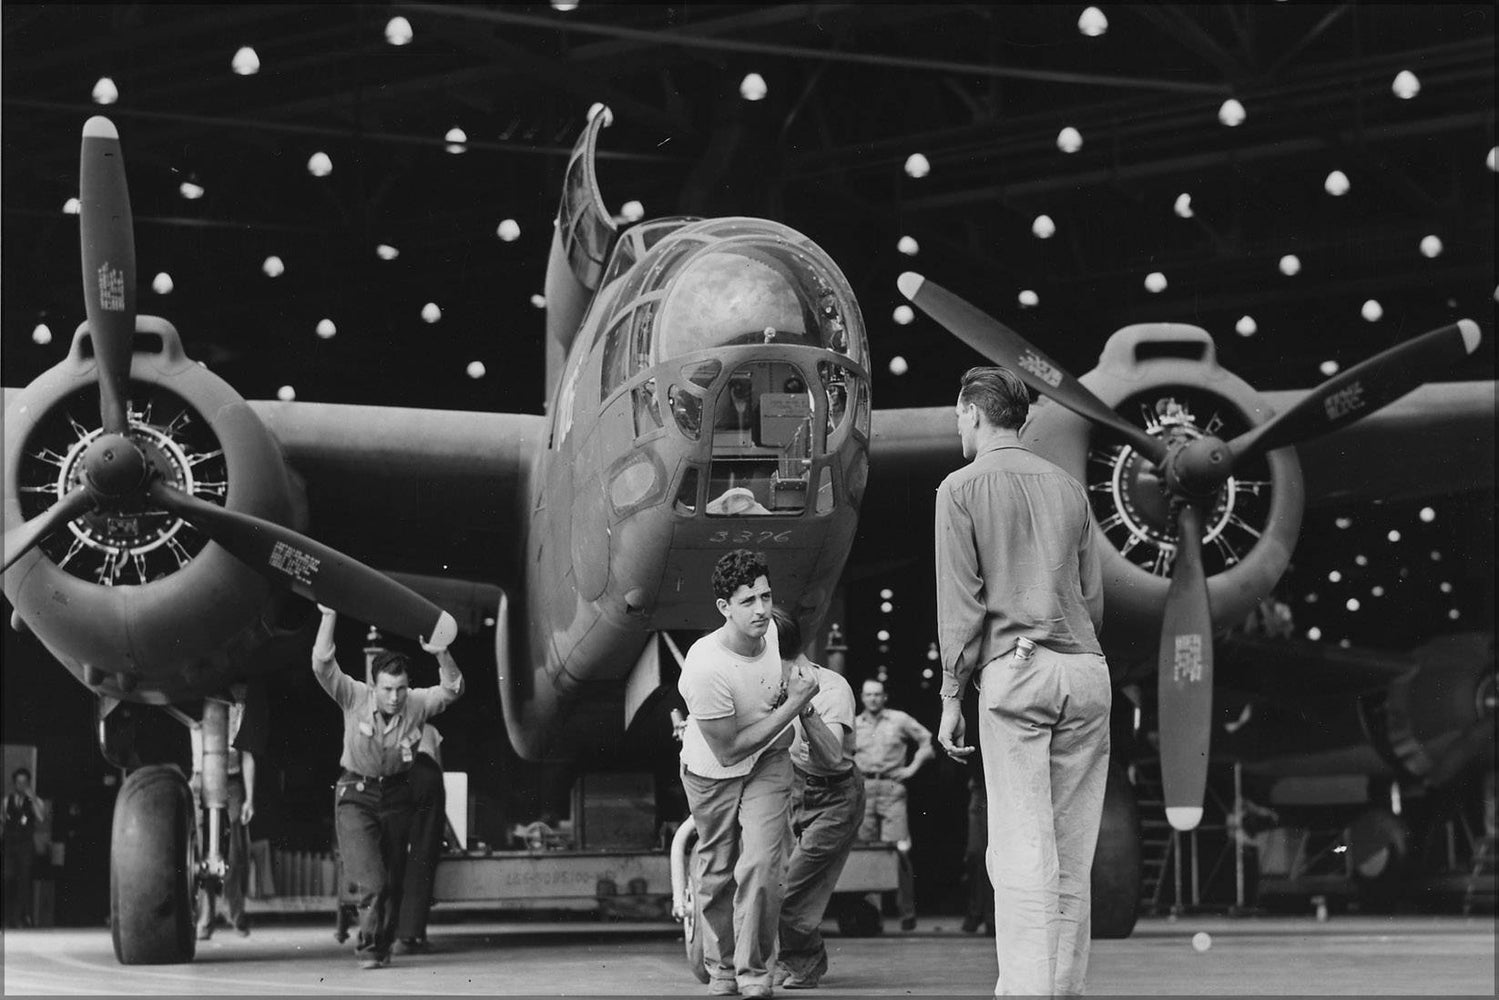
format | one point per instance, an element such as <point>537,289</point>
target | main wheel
<point>1116,862</point>
<point>692,930</point>
<point>152,854</point>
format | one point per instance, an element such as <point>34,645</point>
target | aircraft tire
<point>1116,862</point>
<point>692,933</point>
<point>151,869</point>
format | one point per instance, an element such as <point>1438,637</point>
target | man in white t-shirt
<point>737,774</point>
<point>827,809</point>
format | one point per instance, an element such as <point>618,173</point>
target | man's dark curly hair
<point>389,662</point>
<point>740,568</point>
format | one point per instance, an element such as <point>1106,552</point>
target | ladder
<point>1156,841</point>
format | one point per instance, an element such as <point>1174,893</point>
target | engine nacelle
<point>139,606</point>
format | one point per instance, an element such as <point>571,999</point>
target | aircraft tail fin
<point>581,240</point>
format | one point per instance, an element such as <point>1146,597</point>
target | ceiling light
<point>883,635</point>
<point>431,313</point>
<point>1490,161</point>
<point>564,5</point>
<point>903,315</point>
<point>190,190</point>
<point>1069,140</point>
<point>1361,560</point>
<point>633,211</point>
<point>1344,522</point>
<point>245,62</point>
<point>1336,184</point>
<point>908,246</point>
<point>1290,264</point>
<point>508,230</point>
<point>539,301</point>
<point>105,91</point>
<point>1328,368</point>
<point>1155,282</point>
<point>273,267</point>
<point>898,365</point>
<point>162,283</point>
<point>1428,515</point>
<point>41,334</point>
<point>1431,246</point>
<point>476,369</point>
<point>887,607</point>
<point>1183,206</point>
<point>398,31</point>
<point>1231,113</point>
<point>387,252</point>
<point>1454,614</point>
<point>1445,587</point>
<point>1246,326</point>
<point>1352,604</point>
<point>917,166</point>
<point>319,165</point>
<point>1311,598</point>
<point>1405,85</point>
<point>752,87</point>
<point>1092,22</point>
<point>1376,591</point>
<point>1436,556</point>
<point>456,138</point>
<point>72,206</point>
<point>1371,310</point>
<point>1394,535</point>
<point>1335,576</point>
<point>886,594</point>
<point>1314,633</point>
<point>286,394</point>
<point>1043,227</point>
<point>325,329</point>
<point>1028,299</point>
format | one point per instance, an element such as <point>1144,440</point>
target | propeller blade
<point>22,538</point>
<point>1361,390</point>
<point>107,237</point>
<point>314,570</point>
<point>1004,346</point>
<point>1185,678</point>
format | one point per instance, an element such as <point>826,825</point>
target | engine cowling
<point>137,604</point>
<point>1166,377</point>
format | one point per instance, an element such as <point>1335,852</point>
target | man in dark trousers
<point>429,818</point>
<point>382,729</point>
<point>1020,599</point>
<point>24,812</point>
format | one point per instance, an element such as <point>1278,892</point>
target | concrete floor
<point>1446,956</point>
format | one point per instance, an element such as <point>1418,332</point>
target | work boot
<point>723,987</point>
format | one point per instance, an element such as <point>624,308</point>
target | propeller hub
<point>1198,469</point>
<point>113,466</point>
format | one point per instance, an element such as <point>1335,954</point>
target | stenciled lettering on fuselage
<point>1345,401</point>
<point>1041,368</point>
<point>111,289</point>
<point>749,536</point>
<point>300,566</point>
<point>1188,665</point>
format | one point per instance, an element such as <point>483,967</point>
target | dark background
<point>980,90</point>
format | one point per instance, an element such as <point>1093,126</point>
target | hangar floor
<point>1362,956</point>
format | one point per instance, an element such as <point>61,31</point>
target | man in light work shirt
<point>737,774</point>
<point>827,808</point>
<point>883,736</point>
<point>372,815</point>
<point>1020,597</point>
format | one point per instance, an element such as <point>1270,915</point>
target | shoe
<point>340,934</point>
<point>375,962</point>
<point>971,925</point>
<point>205,931</point>
<point>413,945</point>
<point>801,982</point>
<point>908,924</point>
<point>723,988</point>
<point>779,974</point>
<point>242,927</point>
<point>757,990</point>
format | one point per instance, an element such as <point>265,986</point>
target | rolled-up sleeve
<point>342,688</point>
<point>960,592</point>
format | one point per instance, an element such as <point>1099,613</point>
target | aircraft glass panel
<point>687,492</point>
<point>647,410</point>
<point>627,352</point>
<point>743,291</point>
<point>762,442</point>
<point>687,410</point>
<point>837,382</point>
<point>824,491</point>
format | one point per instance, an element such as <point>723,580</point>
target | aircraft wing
<point>435,493</point>
<point>1438,439</point>
<point>1286,668</point>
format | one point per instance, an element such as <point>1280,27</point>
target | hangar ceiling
<point>981,90</point>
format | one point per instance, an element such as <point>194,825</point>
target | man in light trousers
<point>1020,598</point>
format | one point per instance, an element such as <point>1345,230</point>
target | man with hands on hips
<point>382,730</point>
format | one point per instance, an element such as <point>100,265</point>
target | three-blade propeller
<point>1196,468</point>
<point>116,474</point>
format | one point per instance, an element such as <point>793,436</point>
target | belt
<point>375,779</point>
<point>825,780</point>
<point>878,775</point>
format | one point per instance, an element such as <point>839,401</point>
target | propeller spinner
<point>1196,469</point>
<point>118,475</point>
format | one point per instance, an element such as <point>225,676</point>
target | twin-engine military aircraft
<point>708,389</point>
